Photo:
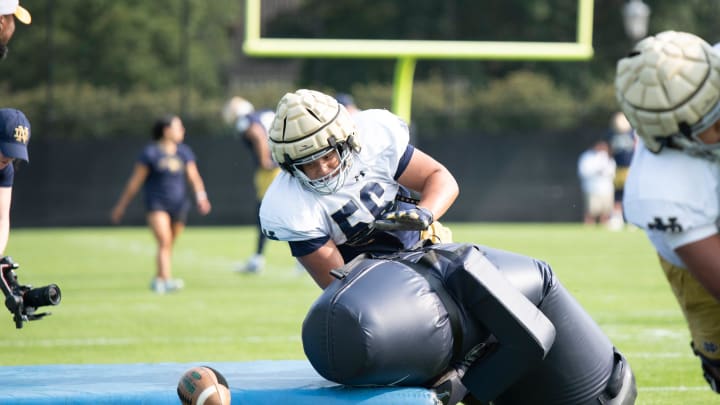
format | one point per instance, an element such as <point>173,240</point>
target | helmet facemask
<point>309,125</point>
<point>331,182</point>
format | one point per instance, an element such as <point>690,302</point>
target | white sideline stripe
<point>680,388</point>
<point>154,340</point>
<point>658,355</point>
<point>148,249</point>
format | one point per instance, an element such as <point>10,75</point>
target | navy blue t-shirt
<point>7,175</point>
<point>166,183</point>
<point>263,118</point>
<point>622,146</point>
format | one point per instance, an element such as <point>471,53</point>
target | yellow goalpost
<point>407,52</point>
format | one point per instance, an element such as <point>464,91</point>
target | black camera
<point>22,300</point>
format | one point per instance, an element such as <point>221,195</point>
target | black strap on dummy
<point>525,335</point>
<point>449,304</point>
<point>448,387</point>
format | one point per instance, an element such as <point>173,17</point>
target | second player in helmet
<point>340,175</point>
<point>669,89</point>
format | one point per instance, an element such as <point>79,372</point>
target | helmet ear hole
<point>286,164</point>
<point>685,129</point>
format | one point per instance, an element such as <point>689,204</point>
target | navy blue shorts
<point>178,211</point>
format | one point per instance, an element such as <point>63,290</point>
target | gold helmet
<point>619,123</point>
<point>669,89</point>
<point>236,108</point>
<point>309,124</point>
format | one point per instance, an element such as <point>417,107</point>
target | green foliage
<point>109,315</point>
<point>523,102</point>
<point>124,45</point>
<point>103,68</point>
<point>85,111</point>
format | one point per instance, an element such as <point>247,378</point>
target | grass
<point>109,315</point>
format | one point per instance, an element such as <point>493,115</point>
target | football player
<point>346,184</point>
<point>252,126</point>
<point>669,89</point>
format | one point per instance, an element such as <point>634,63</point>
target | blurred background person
<point>347,101</point>
<point>596,170</point>
<point>252,127</point>
<point>9,11</point>
<point>621,138</point>
<point>163,170</point>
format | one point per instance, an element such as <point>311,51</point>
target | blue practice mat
<point>260,382</point>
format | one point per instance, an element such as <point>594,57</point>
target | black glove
<point>414,219</point>
<point>8,261</point>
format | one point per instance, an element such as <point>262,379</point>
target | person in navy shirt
<point>163,170</point>
<point>14,137</point>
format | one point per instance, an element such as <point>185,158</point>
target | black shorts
<point>178,211</point>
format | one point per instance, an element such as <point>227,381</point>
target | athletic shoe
<point>255,264</point>
<point>174,284</point>
<point>615,223</point>
<point>160,286</point>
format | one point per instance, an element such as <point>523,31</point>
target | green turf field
<point>109,315</point>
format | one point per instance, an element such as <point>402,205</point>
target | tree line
<point>104,68</point>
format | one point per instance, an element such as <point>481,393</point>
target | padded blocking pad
<point>259,382</point>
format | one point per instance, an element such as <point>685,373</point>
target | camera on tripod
<point>22,300</point>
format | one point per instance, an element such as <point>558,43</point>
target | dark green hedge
<point>522,103</point>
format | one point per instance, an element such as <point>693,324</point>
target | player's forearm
<point>439,193</point>
<point>710,280</point>
<point>127,196</point>
<point>702,258</point>
<point>267,163</point>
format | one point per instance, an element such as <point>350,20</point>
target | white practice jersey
<point>290,212</point>
<point>674,197</point>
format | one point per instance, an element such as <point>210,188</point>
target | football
<point>203,386</point>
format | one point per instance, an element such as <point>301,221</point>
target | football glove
<point>414,219</point>
<point>8,261</point>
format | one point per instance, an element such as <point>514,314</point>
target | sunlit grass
<point>109,315</point>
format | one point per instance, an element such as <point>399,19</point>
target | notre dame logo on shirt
<point>671,225</point>
<point>172,164</point>
<point>270,234</point>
